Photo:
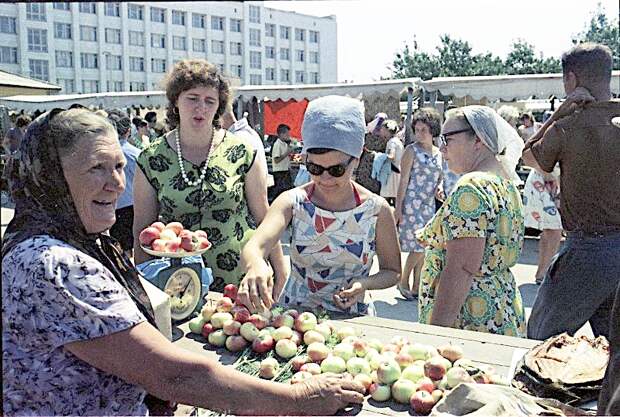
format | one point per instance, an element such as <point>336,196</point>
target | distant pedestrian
<point>15,134</point>
<point>281,162</point>
<point>151,119</point>
<point>140,137</point>
<point>394,150</point>
<point>372,144</point>
<point>528,127</point>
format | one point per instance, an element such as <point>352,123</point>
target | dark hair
<point>430,117</point>
<point>282,128</point>
<point>138,122</point>
<point>76,106</point>
<point>121,122</point>
<point>22,121</point>
<point>319,151</point>
<point>150,117</point>
<point>191,73</point>
<point>590,62</point>
<point>527,115</point>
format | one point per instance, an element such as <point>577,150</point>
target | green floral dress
<point>217,206</point>
<point>482,205</point>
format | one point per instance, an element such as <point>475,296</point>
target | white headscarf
<point>497,135</point>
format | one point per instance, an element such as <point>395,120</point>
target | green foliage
<point>602,30</point>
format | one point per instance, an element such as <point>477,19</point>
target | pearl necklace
<point>203,170</point>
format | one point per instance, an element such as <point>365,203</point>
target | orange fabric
<point>289,112</point>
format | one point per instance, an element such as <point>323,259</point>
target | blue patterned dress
<point>419,201</point>
<point>328,250</point>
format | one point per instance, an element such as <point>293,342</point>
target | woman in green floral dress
<point>203,176</point>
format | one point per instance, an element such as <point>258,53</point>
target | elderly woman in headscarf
<point>337,226</point>
<point>78,330</point>
<point>477,234</point>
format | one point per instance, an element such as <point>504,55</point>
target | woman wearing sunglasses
<point>477,234</point>
<point>337,226</point>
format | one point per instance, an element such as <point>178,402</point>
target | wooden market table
<point>501,352</point>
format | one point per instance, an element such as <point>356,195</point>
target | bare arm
<point>279,158</point>
<point>406,165</point>
<point>463,260</point>
<point>145,209</point>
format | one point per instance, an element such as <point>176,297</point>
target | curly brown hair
<point>191,73</point>
<point>430,117</point>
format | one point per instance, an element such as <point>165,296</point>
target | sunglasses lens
<point>336,171</point>
<point>314,169</point>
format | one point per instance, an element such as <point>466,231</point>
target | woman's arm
<point>463,260</point>
<point>256,288</point>
<point>142,356</point>
<point>145,209</point>
<point>406,165</point>
<point>256,195</point>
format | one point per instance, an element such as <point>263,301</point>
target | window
<point>285,53</point>
<point>217,23</point>
<point>254,14</point>
<point>178,18</point>
<point>217,47</point>
<point>270,30</point>
<point>90,8</point>
<point>115,86</point>
<point>314,36</point>
<point>314,57</point>
<point>235,48</point>
<point>136,64</point>
<point>235,25</point>
<point>37,40</point>
<point>61,5</point>
<point>8,55</point>
<point>300,35</point>
<point>64,59</point>
<point>254,37</point>
<point>136,86</point>
<point>220,67</point>
<point>114,62</point>
<point>198,20</point>
<point>112,35</point>
<point>199,45</point>
<point>270,52</point>
<point>256,79</point>
<point>270,74</point>
<point>67,85</point>
<point>136,38</point>
<point>35,11</point>
<point>178,43</point>
<point>88,33</point>
<point>158,15</point>
<point>8,24</point>
<point>255,59</point>
<point>39,69</point>
<point>314,77</point>
<point>300,77</point>
<point>62,30</point>
<point>112,9</point>
<point>89,60</point>
<point>285,32</point>
<point>90,86</point>
<point>158,65</point>
<point>158,40</point>
<point>285,75</point>
<point>299,55</point>
<point>236,70</point>
<point>135,12</point>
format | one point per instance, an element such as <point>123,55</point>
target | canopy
<point>12,83</point>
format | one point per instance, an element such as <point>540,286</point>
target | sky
<point>370,32</point>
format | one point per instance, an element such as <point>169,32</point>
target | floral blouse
<point>53,294</point>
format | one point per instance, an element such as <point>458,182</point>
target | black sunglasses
<point>443,139</point>
<point>334,170</point>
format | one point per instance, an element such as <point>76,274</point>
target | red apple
<point>188,242</point>
<point>203,243</point>
<point>224,305</point>
<point>176,227</point>
<point>236,343</point>
<point>173,245</point>
<point>230,291</point>
<point>259,321</point>
<point>298,361</point>
<point>426,384</point>
<point>404,360</point>
<point>263,343</point>
<point>159,245</point>
<point>201,233</point>
<point>148,235</point>
<point>422,402</point>
<point>158,225</point>
<point>451,352</point>
<point>207,329</point>
<point>283,320</point>
<point>231,327</point>
<point>317,352</point>
<point>360,347</point>
<point>240,313</point>
<point>390,347</point>
<point>292,312</point>
<point>435,368</point>
<point>305,321</point>
<point>297,337</point>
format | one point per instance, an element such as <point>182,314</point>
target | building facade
<point>129,46</point>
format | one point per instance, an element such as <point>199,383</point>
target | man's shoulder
<point>592,113</point>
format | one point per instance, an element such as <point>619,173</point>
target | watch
<point>185,289</point>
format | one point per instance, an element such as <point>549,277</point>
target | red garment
<point>289,112</point>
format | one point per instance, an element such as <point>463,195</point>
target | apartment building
<point>129,46</point>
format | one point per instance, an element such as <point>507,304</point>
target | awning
<point>14,80</point>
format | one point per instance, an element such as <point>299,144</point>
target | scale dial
<point>184,288</point>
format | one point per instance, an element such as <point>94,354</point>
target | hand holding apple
<point>326,394</point>
<point>256,288</point>
<point>346,298</point>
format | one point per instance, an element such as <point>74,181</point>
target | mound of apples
<point>173,238</point>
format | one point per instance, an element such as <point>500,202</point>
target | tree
<point>454,57</point>
<point>601,30</point>
<point>409,64</point>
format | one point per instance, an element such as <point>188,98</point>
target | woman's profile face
<point>94,172</point>
<point>197,107</point>
<point>459,150</point>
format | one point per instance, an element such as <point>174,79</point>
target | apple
<point>159,245</point>
<point>268,368</point>
<point>196,324</point>
<point>343,332</point>
<point>207,329</point>
<point>344,350</point>
<point>413,373</point>
<point>426,384</point>
<point>317,352</point>
<point>158,225</point>
<point>373,376</point>
<point>300,377</point>
<point>263,343</point>
<point>298,361</point>
<point>217,338</point>
<point>188,243</point>
<point>284,320</point>
<point>268,330</point>
<point>418,351</point>
<point>356,366</point>
<point>443,384</point>
<point>259,321</point>
<point>203,243</point>
<point>297,337</point>
<point>349,339</point>
<point>207,312</point>
<point>240,313</point>
<point>176,227</point>
<point>230,291</point>
<point>376,344</point>
<point>422,402</point>
<point>333,364</point>
<point>148,235</point>
<point>374,360</point>
<point>231,327</point>
<point>364,380</point>
<point>388,371</point>
<point>435,368</point>
<point>360,347</point>
<point>201,233</point>
<point>173,245</point>
<point>224,305</point>
<point>312,336</point>
<point>305,321</point>
<point>451,352</point>
<point>390,348</point>
<point>437,395</point>
<point>324,329</point>
<point>236,343</point>
<point>404,360</point>
<point>168,234</point>
<point>379,392</point>
<point>312,368</point>
<point>403,390</point>
<point>286,348</point>
<point>248,331</point>
<point>283,333</point>
<point>389,355</point>
<point>456,375</point>
<point>292,312</point>
<point>218,319</point>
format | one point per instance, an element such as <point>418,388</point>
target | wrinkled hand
<point>344,299</point>
<point>574,101</point>
<point>256,288</point>
<point>325,394</point>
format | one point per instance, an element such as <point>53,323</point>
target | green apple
<point>248,331</point>
<point>357,366</point>
<point>379,392</point>
<point>196,324</point>
<point>312,336</point>
<point>343,332</point>
<point>268,368</point>
<point>376,344</point>
<point>217,338</point>
<point>286,348</point>
<point>418,351</point>
<point>413,373</point>
<point>324,329</point>
<point>218,319</point>
<point>281,333</point>
<point>344,350</point>
<point>403,390</point>
<point>333,364</point>
<point>388,371</point>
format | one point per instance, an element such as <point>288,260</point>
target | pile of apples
<point>173,238</point>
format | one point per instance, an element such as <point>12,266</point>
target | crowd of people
<point>77,320</point>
